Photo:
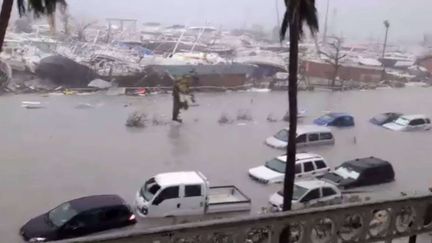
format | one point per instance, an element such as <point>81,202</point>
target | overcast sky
<point>359,19</point>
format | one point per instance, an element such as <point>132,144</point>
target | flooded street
<point>55,154</point>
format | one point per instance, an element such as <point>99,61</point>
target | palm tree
<point>4,19</point>
<point>298,12</point>
<point>38,7</point>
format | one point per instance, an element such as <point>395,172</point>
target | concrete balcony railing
<point>374,221</point>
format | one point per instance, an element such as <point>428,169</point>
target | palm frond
<point>305,10</point>
<point>39,7</point>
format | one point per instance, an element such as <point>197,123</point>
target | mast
<point>326,22</point>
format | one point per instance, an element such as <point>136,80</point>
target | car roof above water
<point>179,178</point>
<point>415,116</point>
<point>301,156</point>
<point>302,129</point>
<point>96,201</point>
<point>366,163</point>
<point>314,183</point>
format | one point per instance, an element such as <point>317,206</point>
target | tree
<point>334,56</point>
<point>298,12</point>
<point>38,7</point>
<point>4,19</point>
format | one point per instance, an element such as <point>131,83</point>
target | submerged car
<point>273,171</point>
<point>335,119</point>
<point>410,123</point>
<point>307,135</point>
<point>361,172</point>
<point>308,194</point>
<point>79,217</point>
<point>384,118</point>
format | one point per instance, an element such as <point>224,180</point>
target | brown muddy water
<point>55,154</point>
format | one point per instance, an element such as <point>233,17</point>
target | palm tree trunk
<point>4,19</point>
<point>292,100</point>
<point>291,147</point>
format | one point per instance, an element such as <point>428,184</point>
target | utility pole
<point>387,26</point>
<point>326,22</point>
<point>277,13</point>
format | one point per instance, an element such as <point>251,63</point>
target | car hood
<point>321,122</point>
<point>336,179</point>
<point>276,200</point>
<point>276,143</point>
<point>38,227</point>
<point>265,173</point>
<point>393,126</point>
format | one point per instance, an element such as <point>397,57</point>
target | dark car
<point>361,172</point>
<point>384,118</point>
<point>335,119</point>
<point>79,217</point>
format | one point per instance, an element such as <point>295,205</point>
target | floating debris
<point>225,119</point>
<point>136,119</point>
<point>32,105</point>
<point>271,118</point>
<point>84,106</point>
<point>159,121</point>
<point>244,115</point>
<point>300,114</point>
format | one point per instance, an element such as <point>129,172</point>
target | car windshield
<point>297,193</point>
<point>402,121</point>
<point>347,173</point>
<point>276,165</point>
<point>328,117</point>
<point>62,214</point>
<point>381,118</point>
<point>282,135</point>
<point>149,189</point>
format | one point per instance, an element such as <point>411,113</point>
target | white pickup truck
<point>187,193</point>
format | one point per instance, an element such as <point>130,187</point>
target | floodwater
<point>55,154</point>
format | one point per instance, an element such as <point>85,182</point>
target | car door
<point>321,167</point>
<point>326,138</point>
<point>193,201</point>
<point>311,198</point>
<point>166,203</point>
<point>309,169</point>
<point>428,124</point>
<point>313,139</point>
<point>417,124</point>
<point>301,140</point>
<point>328,195</point>
<point>82,224</point>
<point>112,217</point>
<point>299,170</point>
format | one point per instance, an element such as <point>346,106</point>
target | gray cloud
<point>352,18</point>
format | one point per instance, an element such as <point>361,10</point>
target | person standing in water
<point>181,93</point>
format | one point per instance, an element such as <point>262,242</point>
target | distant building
<point>314,69</point>
<point>426,62</point>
